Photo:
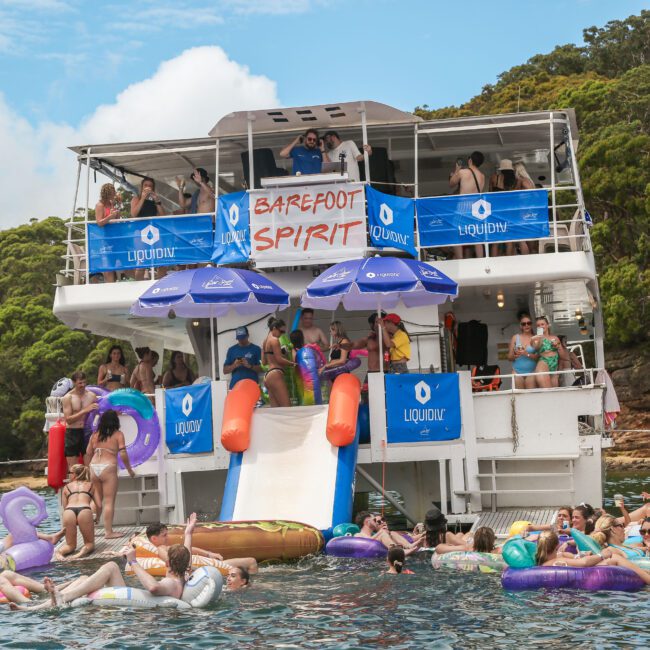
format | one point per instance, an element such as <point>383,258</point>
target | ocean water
<point>332,603</point>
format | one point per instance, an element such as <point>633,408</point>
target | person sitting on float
<point>110,575</point>
<point>373,526</point>
<point>548,554</point>
<point>435,525</point>
<point>340,347</point>
<point>644,532</point>
<point>79,507</point>
<point>7,542</point>
<point>395,558</point>
<point>483,541</point>
<point>561,524</point>
<point>237,578</point>
<point>158,535</point>
<point>583,518</point>
<point>273,358</point>
<point>609,532</point>
<point>547,346</point>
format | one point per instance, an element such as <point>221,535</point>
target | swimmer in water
<point>237,578</point>
<point>395,560</point>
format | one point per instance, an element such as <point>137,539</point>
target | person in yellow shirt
<point>397,342</point>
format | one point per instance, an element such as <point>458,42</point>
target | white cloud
<point>270,6</point>
<point>185,97</point>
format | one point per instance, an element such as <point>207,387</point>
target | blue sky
<point>83,71</point>
<point>59,59</point>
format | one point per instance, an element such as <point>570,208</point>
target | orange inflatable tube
<point>23,590</point>
<point>343,410</point>
<point>237,415</point>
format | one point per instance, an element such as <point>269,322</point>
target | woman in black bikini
<point>114,374</point>
<point>273,358</point>
<point>340,346</point>
<point>78,503</point>
<point>178,374</point>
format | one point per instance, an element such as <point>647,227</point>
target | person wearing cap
<point>243,359</point>
<point>397,342</point>
<point>335,147</point>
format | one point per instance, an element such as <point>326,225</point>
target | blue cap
<point>241,332</point>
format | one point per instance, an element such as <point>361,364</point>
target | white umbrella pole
<point>381,340</point>
<point>212,357</point>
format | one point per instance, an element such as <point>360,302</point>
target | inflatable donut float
<point>203,587</point>
<point>595,578</point>
<point>133,403</point>
<point>469,561</point>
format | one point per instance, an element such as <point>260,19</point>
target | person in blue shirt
<point>243,359</point>
<point>307,153</point>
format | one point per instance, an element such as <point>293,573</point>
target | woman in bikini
<point>78,502</point>
<point>522,354</point>
<point>273,358</point>
<point>549,554</point>
<point>340,346</point>
<point>114,374</point>
<point>105,212</point>
<point>103,447</point>
<point>609,532</point>
<point>178,373</point>
<point>547,347</point>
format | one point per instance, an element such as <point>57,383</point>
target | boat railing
<point>565,235</point>
<point>583,378</point>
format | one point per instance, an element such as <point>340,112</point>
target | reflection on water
<point>333,603</point>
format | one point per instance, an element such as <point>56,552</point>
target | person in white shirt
<point>335,147</point>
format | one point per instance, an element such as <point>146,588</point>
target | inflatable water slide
<point>292,464</point>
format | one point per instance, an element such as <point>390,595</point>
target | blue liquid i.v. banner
<point>232,237</point>
<point>391,221</point>
<point>144,243</point>
<point>188,419</point>
<point>422,408</point>
<point>482,218</point>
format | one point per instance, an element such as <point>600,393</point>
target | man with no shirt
<point>76,406</point>
<point>312,333</point>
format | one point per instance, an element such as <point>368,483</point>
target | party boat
<point>455,431</point>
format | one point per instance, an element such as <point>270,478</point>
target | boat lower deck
<point>105,549</point>
<point>501,520</point>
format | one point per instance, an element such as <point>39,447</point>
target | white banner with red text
<point>325,222</point>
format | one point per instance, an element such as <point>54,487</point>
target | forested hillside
<point>607,81</point>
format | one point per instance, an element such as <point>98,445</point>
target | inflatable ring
<point>585,543</point>
<point>203,587</point>
<point>355,547</point>
<point>469,561</point>
<point>595,578</point>
<point>131,402</point>
<point>345,529</point>
<point>332,373</point>
<point>519,553</point>
<point>89,422</point>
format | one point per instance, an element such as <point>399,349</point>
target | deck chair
<point>487,384</point>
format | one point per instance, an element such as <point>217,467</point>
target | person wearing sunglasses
<point>609,532</point>
<point>373,526</point>
<point>522,354</point>
<point>644,532</point>
<point>307,153</point>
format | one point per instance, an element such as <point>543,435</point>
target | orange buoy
<point>237,415</point>
<point>57,466</point>
<point>343,410</point>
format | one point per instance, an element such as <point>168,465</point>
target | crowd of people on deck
<point>537,355</point>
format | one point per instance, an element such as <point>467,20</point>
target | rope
<point>514,428</point>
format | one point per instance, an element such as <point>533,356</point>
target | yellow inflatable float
<point>147,556</point>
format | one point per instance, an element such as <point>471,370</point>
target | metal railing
<point>587,374</point>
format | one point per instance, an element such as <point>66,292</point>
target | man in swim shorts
<point>76,406</point>
<point>238,578</point>
<point>179,559</point>
<point>158,535</point>
<point>374,527</point>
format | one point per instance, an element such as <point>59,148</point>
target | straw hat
<point>506,164</point>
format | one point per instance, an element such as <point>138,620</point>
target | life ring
<point>595,578</point>
<point>89,422</point>
<point>332,373</point>
<point>23,590</point>
<point>131,402</point>
<point>469,561</point>
<point>355,547</point>
<point>203,587</point>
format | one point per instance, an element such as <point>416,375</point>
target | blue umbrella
<point>210,292</point>
<point>379,282</point>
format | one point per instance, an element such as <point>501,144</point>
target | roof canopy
<point>325,116</point>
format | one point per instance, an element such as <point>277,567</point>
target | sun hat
<point>506,165</point>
